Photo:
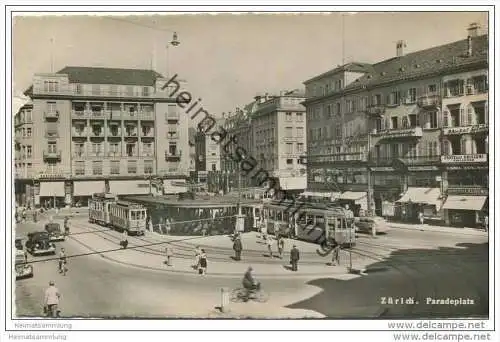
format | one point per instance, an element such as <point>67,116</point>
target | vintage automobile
<point>23,270</point>
<point>39,244</point>
<point>55,232</point>
<point>365,224</point>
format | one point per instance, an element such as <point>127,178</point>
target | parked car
<point>55,232</point>
<point>365,224</point>
<point>23,270</point>
<point>39,243</point>
<point>19,244</point>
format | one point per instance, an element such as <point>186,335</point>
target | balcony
<point>51,134</point>
<point>96,134</point>
<point>339,157</point>
<point>381,161</point>
<point>149,135</point>
<point>79,155</point>
<point>96,155</point>
<point>148,116</point>
<point>474,190</point>
<point>129,115</point>
<point>52,155</point>
<point>375,110</point>
<point>172,156</point>
<point>113,154</point>
<point>420,160</point>
<point>79,134</point>
<point>131,135</point>
<point>114,134</point>
<point>99,114</point>
<point>52,115</point>
<point>173,135</point>
<point>482,128</point>
<point>429,101</point>
<point>415,132</point>
<point>81,114</point>
<point>53,173</point>
<point>465,159</point>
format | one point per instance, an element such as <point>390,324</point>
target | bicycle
<point>241,294</point>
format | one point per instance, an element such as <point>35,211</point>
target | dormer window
<point>50,86</point>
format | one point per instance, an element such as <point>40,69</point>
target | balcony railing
<point>172,135</point>
<point>114,154</point>
<point>464,158</point>
<point>381,161</point>
<point>130,115</point>
<point>146,115</point>
<point>51,115</point>
<point>81,114</point>
<point>79,155</point>
<point>358,156</point>
<point>51,134</point>
<point>172,156</point>
<point>99,114</point>
<point>79,134</point>
<point>52,155</point>
<point>415,132</point>
<point>429,101</point>
<point>375,110</point>
<point>53,174</point>
<point>96,134</point>
<point>114,134</point>
<point>130,134</point>
<point>465,129</point>
<point>420,160</point>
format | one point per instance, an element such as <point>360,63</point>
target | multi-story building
<point>272,130</point>
<point>98,129</point>
<point>387,141</point>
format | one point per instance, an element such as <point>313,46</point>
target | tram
<point>99,208</point>
<point>128,216</point>
<point>309,223</point>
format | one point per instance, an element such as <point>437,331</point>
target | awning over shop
<point>422,196</point>
<point>358,198</point>
<point>174,186</point>
<point>88,188</point>
<point>129,187</point>
<point>465,202</point>
<point>52,189</point>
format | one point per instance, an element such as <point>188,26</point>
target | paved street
<point>135,282</point>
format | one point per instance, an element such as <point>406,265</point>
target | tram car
<point>128,216</point>
<point>99,208</point>
<point>313,224</point>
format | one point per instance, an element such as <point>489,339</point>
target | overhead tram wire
<point>139,24</point>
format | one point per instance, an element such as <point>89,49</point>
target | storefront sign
<point>467,191</point>
<point>400,133</point>
<point>422,168</point>
<point>465,130</point>
<point>465,158</point>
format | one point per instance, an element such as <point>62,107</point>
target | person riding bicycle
<point>249,282</point>
<point>62,262</point>
<point>66,225</point>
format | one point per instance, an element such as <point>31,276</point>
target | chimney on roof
<point>400,45</point>
<point>473,30</point>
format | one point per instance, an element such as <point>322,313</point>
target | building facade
<point>98,129</point>
<point>272,130</point>
<point>410,134</point>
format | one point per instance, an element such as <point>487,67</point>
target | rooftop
<point>349,67</point>
<point>93,75</point>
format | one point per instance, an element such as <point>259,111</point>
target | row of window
<point>24,152</point>
<point>97,149</point>
<point>114,167</point>
<point>299,148</point>
<point>407,150</point>
<point>24,116</point>
<point>299,132</point>
<point>53,86</point>
<point>298,116</point>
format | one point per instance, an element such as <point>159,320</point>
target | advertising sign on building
<point>465,130</point>
<point>465,158</point>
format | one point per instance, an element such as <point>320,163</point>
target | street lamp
<point>174,42</point>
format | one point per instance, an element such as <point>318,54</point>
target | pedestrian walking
<point>238,247</point>
<point>486,222</point>
<point>62,262</point>
<point>336,254</point>
<point>203,263</point>
<point>24,215</point>
<point>270,245</point>
<point>421,218</point>
<point>169,253</point>
<point>281,246</point>
<point>197,255</point>
<point>294,258</point>
<point>124,241</point>
<point>51,300</point>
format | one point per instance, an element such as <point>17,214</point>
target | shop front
<point>387,189</point>
<point>83,191</point>
<point>419,200</point>
<point>465,211</point>
<point>52,194</point>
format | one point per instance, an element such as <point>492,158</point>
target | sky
<point>227,59</point>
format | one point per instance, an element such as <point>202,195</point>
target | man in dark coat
<point>294,258</point>
<point>238,247</point>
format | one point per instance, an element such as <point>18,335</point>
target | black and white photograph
<point>303,169</point>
